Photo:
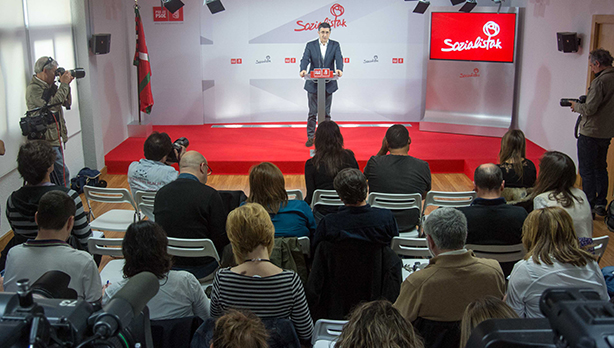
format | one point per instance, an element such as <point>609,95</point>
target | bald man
<point>187,208</point>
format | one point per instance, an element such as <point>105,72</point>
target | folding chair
<point>113,270</point>
<point>295,194</point>
<point>305,245</point>
<point>144,201</point>
<point>501,253</point>
<point>185,247</point>
<point>398,204</point>
<point>325,197</point>
<point>446,199</point>
<point>410,247</point>
<point>601,244</point>
<point>114,219</point>
<point>326,331</point>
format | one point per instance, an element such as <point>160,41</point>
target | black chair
<point>232,199</point>
<point>169,333</point>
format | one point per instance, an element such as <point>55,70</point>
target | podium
<point>321,77</point>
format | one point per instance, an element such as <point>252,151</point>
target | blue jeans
<point>592,164</point>
<point>60,169</point>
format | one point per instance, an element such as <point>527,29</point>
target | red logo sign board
<point>315,73</point>
<point>473,36</point>
<point>236,61</point>
<point>290,60</point>
<point>346,60</point>
<point>397,60</point>
<point>161,14</point>
<point>336,11</point>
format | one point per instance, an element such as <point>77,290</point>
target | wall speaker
<point>172,5</point>
<point>215,6</point>
<point>567,42</point>
<point>100,43</point>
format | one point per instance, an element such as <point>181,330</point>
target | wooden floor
<point>440,182</point>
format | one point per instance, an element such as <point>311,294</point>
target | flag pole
<point>138,92</point>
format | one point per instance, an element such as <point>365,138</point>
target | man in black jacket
<point>187,208</point>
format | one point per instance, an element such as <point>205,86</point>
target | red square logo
<point>395,60</point>
<point>177,16</point>
<point>287,60</point>
<point>293,60</point>
<point>160,14</point>
<point>239,61</point>
<point>233,61</point>
<point>346,60</point>
<point>400,60</point>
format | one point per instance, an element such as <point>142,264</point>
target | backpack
<point>86,176</point>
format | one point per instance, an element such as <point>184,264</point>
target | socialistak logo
<point>236,61</point>
<point>267,59</point>
<point>475,73</point>
<point>336,22</point>
<point>290,60</point>
<point>490,29</point>
<point>374,60</point>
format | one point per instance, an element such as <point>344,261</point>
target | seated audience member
<point>489,220</point>
<point>187,208</point>
<point>291,218</point>
<point>554,259</point>
<point>239,329</point>
<point>330,157</point>
<point>518,171</point>
<point>49,251</point>
<point>434,298</point>
<point>180,294</point>
<point>152,172</point>
<point>35,162</point>
<point>555,188</point>
<point>378,324</point>
<point>398,172</point>
<point>356,219</point>
<point>256,284</point>
<point>483,309</point>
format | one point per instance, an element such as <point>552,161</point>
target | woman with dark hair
<point>267,187</point>
<point>554,259</point>
<point>180,295</point>
<point>518,171</point>
<point>378,324</point>
<point>330,157</point>
<point>555,188</point>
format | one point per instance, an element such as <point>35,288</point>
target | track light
<point>172,5</point>
<point>422,6</point>
<point>456,2</point>
<point>468,6</point>
<point>214,6</point>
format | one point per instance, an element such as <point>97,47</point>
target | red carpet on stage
<point>235,150</point>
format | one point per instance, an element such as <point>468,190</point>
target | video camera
<point>566,102</point>
<point>123,321</point>
<point>575,318</point>
<point>175,155</point>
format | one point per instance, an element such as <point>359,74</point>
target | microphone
<point>126,304</point>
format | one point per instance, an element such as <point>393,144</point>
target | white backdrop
<point>264,34</point>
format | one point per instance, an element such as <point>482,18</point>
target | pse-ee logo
<point>335,22</point>
<point>490,29</point>
<point>475,73</point>
<point>346,60</point>
<point>236,61</point>
<point>397,60</point>
<point>290,60</point>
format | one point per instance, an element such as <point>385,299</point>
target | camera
<point>565,102</point>
<point>76,72</point>
<point>175,155</point>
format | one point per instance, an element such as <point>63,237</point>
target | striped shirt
<point>277,296</point>
<point>23,204</point>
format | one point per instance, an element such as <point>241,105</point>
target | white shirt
<point>580,211</point>
<point>323,49</point>
<point>529,280</point>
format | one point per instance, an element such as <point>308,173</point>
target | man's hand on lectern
<point>303,73</point>
<point>339,73</point>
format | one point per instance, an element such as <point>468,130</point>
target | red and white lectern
<point>321,77</point>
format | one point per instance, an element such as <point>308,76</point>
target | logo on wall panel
<point>397,60</point>
<point>346,60</point>
<point>374,60</point>
<point>236,61</point>
<point>475,73</point>
<point>336,11</point>
<point>161,14</point>
<point>491,29</point>
<point>290,60</point>
<point>266,59</point>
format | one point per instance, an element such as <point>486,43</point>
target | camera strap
<point>576,131</point>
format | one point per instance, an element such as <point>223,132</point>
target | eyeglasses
<point>209,170</point>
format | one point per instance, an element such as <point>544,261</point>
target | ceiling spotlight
<point>468,6</point>
<point>214,6</point>
<point>456,2</point>
<point>172,5</point>
<point>422,6</point>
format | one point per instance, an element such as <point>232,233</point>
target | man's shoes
<point>309,143</point>
<point>599,210</point>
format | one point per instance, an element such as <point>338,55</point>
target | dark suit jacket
<point>313,57</point>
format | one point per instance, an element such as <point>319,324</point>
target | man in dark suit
<point>321,53</point>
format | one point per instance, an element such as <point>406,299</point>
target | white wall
<point>548,75</point>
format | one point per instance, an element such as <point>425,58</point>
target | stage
<point>232,149</point>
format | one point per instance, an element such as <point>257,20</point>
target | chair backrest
<point>107,195</point>
<point>601,244</point>
<point>169,333</point>
<point>105,246</point>
<point>501,253</point>
<point>325,197</point>
<point>144,201</point>
<point>192,248</point>
<point>395,201</point>
<point>295,194</point>
<point>449,199</point>
<point>305,245</point>
<point>327,330</point>
<point>412,247</point>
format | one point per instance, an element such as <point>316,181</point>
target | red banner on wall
<point>161,14</point>
<point>473,36</point>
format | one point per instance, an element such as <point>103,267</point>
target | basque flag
<point>141,60</point>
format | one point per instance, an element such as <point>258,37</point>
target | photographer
<point>596,130</point>
<point>43,80</point>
